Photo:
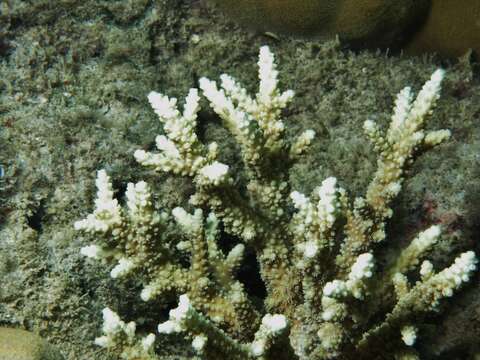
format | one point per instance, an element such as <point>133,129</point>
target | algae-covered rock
<point>17,344</point>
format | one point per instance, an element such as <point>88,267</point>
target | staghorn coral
<point>326,299</point>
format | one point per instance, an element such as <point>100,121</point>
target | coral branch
<point>325,296</point>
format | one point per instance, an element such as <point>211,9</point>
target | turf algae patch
<point>17,344</point>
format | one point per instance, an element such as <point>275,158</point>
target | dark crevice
<point>35,220</point>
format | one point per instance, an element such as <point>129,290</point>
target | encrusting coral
<point>325,299</point>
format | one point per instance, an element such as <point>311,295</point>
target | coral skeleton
<point>326,297</point>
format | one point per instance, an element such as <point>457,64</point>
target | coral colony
<point>325,298</point>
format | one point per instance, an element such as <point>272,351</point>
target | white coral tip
<point>123,267</point>
<point>274,323</point>
<point>215,172</point>
<point>310,249</point>
<point>409,335</point>
<point>199,342</point>
<point>169,327</point>
<point>148,341</point>
<point>102,341</point>
<point>91,251</point>
<point>111,321</point>
<point>362,268</point>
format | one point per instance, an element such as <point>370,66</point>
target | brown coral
<point>366,22</point>
<point>447,27</point>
